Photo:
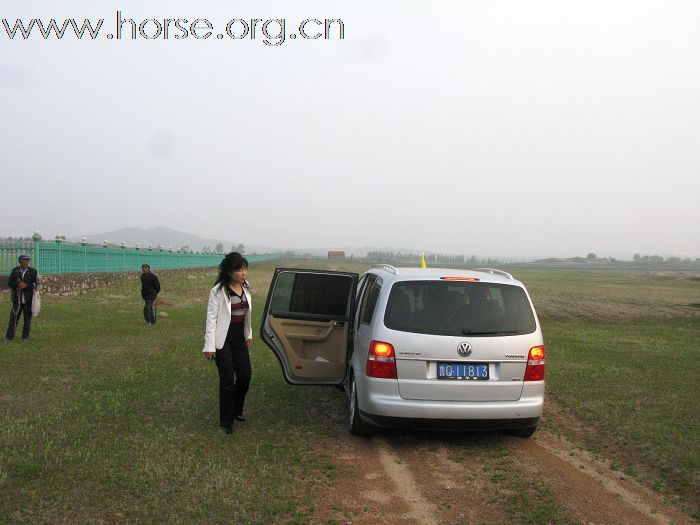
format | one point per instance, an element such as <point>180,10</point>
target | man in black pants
<point>23,280</point>
<point>150,288</point>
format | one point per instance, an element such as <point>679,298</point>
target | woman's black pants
<point>233,363</point>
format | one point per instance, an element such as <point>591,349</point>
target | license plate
<point>463,371</point>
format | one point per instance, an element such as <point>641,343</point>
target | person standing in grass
<point>150,288</point>
<point>229,335</point>
<point>23,280</point>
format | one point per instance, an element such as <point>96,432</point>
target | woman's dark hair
<point>233,262</point>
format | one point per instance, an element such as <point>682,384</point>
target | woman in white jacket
<point>229,335</point>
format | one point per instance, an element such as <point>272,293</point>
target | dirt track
<point>434,478</point>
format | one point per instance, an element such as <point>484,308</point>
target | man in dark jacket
<point>150,288</point>
<point>23,280</point>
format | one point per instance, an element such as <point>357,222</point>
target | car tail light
<point>535,364</point>
<point>381,361</point>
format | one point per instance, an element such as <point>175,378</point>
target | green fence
<point>56,257</point>
<point>9,252</point>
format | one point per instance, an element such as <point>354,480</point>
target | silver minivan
<point>424,348</point>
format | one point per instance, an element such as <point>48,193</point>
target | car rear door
<point>307,323</point>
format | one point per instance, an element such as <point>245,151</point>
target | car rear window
<point>459,308</point>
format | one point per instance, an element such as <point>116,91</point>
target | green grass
<point>612,296</point>
<point>624,356</point>
<point>526,500</point>
<point>637,385</point>
<point>105,419</point>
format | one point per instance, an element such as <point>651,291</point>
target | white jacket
<point>219,319</point>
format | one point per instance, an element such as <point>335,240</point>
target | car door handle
<point>319,336</point>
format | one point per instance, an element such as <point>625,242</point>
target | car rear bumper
<point>379,400</point>
<point>450,424</point>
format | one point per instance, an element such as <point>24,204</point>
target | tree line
<point>645,259</point>
<point>219,248</point>
<point>636,259</point>
<point>657,259</point>
<point>434,258</point>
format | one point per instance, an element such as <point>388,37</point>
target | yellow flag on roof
<point>422,261</point>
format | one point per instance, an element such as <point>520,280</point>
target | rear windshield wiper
<point>501,332</point>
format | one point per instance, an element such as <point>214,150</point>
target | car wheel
<point>356,426</point>
<point>523,432</point>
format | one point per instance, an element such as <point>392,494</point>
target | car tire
<point>523,432</point>
<point>356,426</point>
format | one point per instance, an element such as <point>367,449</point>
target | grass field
<point>623,355</point>
<point>105,419</point>
<point>637,386</point>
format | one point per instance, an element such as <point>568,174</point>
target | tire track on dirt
<point>590,488</point>
<point>420,508</point>
<point>407,478</point>
<point>436,478</point>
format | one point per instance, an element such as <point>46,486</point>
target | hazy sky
<point>509,128</point>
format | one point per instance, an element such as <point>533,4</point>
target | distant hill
<point>167,237</point>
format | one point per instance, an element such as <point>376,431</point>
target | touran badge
<point>464,349</point>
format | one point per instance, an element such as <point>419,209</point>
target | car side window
<point>372,296</point>
<point>311,293</point>
<point>360,288</point>
<point>362,298</point>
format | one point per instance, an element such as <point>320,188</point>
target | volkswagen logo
<point>464,349</point>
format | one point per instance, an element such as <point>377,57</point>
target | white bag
<point>36,303</point>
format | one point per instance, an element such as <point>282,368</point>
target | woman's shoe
<point>239,417</point>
